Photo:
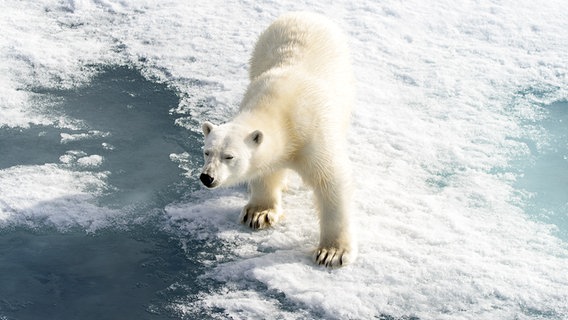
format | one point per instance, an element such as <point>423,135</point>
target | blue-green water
<point>545,176</point>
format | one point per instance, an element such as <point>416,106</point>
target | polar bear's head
<point>228,153</point>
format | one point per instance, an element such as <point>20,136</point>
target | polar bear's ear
<point>257,137</point>
<point>207,127</point>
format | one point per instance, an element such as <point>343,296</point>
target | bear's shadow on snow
<point>125,119</point>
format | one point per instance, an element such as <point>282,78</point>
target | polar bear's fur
<point>294,115</point>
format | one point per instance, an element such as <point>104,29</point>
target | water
<point>128,124</point>
<point>545,176</point>
<point>122,271</point>
<point>114,275</point>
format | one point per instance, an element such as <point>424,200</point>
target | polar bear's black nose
<point>206,179</point>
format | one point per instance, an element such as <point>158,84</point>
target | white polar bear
<point>294,114</point>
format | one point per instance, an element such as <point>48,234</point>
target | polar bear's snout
<point>207,180</point>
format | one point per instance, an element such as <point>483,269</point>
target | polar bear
<point>294,115</point>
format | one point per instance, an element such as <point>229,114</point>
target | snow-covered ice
<point>453,107</point>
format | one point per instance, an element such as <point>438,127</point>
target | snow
<point>444,90</point>
<point>53,196</point>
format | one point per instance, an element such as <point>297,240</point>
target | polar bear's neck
<point>275,149</point>
<point>273,129</point>
<point>268,106</point>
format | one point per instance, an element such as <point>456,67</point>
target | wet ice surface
<point>545,177</point>
<point>123,138</point>
<point>459,133</point>
<point>50,267</point>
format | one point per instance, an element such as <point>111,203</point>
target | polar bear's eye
<point>206,153</point>
<point>229,157</point>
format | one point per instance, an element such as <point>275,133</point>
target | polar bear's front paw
<point>332,257</point>
<point>259,217</point>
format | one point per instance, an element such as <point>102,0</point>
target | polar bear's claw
<point>331,257</point>
<point>259,218</point>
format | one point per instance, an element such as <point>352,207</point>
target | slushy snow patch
<point>54,195</point>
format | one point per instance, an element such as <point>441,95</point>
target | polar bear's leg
<point>335,248</point>
<point>333,198</point>
<point>264,207</point>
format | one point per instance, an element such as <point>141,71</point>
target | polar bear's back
<point>303,39</point>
